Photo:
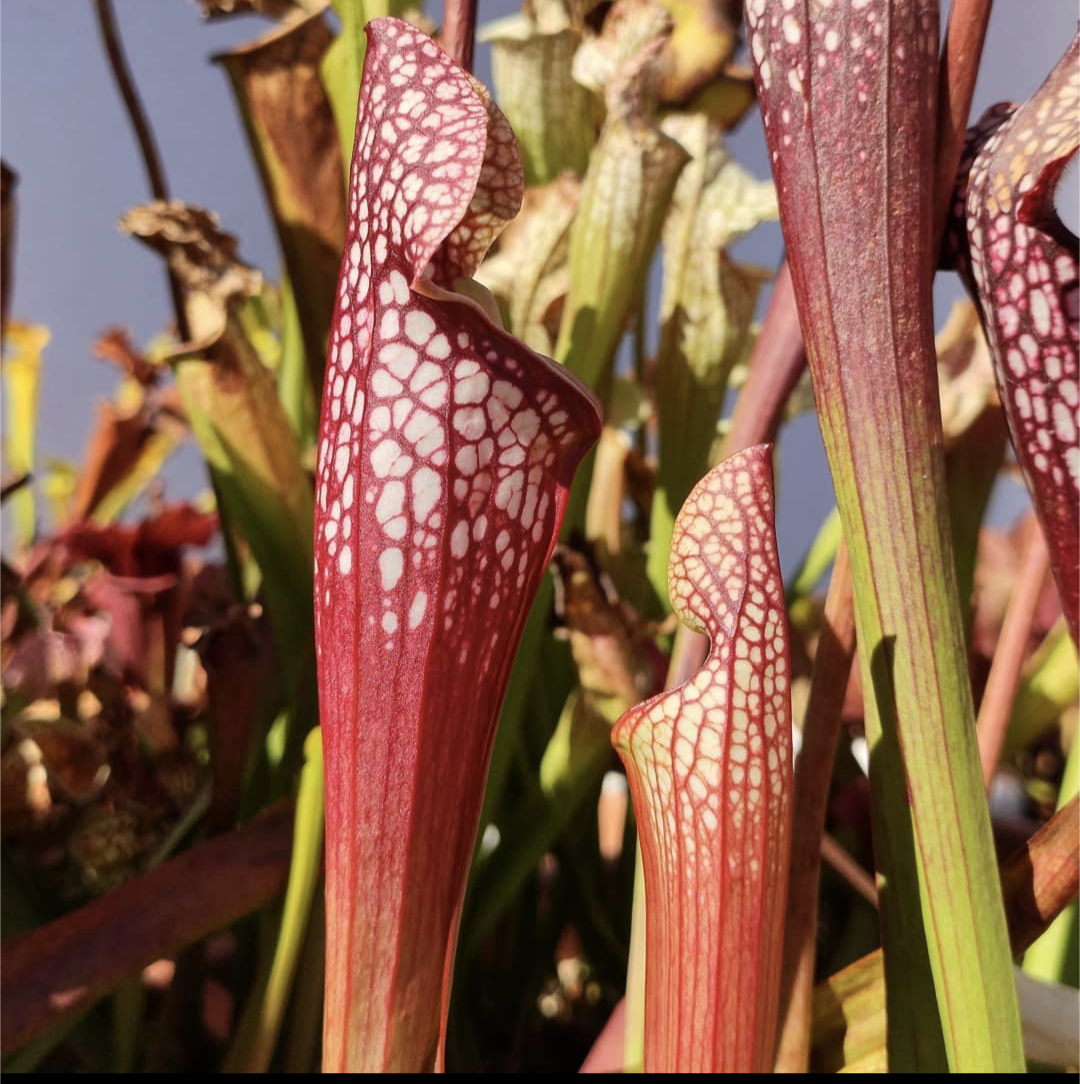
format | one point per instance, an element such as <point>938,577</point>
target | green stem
<point>634,1040</point>
<point>128,1007</point>
<point>303,880</point>
<point>304,1034</point>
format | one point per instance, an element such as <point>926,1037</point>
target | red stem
<point>813,773</point>
<point>842,863</point>
<point>996,706</point>
<point>778,361</point>
<point>606,1053</point>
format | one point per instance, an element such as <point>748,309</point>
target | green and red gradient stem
<point>960,56</point>
<point>848,94</point>
<point>446,454</point>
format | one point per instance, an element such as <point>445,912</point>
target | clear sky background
<point>63,129</point>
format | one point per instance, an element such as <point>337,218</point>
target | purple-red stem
<point>964,37</point>
<point>459,31</point>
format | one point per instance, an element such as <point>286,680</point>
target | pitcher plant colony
<point>464,722</point>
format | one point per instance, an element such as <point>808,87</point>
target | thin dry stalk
<point>144,136</point>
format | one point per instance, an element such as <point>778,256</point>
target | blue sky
<point>63,130</point>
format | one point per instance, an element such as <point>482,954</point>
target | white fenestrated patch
<point>426,491</point>
<point>391,566</point>
<point>419,326</point>
<point>417,609</point>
